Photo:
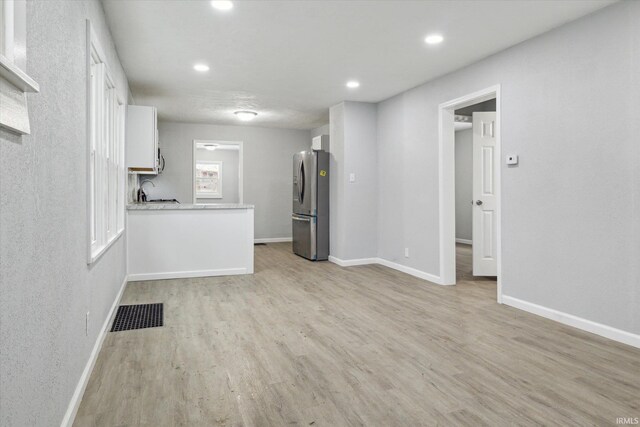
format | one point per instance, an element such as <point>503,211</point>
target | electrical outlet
<point>86,324</point>
<point>406,252</point>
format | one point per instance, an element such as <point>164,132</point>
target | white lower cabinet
<point>170,243</point>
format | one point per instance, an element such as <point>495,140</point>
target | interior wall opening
<point>481,110</point>
<point>468,192</point>
<point>217,172</point>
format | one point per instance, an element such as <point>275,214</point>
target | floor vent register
<point>138,316</point>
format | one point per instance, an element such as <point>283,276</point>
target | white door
<point>485,248</point>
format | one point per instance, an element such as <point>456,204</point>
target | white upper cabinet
<point>142,140</point>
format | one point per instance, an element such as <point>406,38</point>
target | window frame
<point>106,112</point>
<point>7,29</point>
<point>13,40</point>
<point>200,195</point>
<point>13,62</point>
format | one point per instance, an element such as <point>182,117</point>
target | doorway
<point>217,172</point>
<point>475,220</point>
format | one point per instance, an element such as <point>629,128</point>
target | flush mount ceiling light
<point>201,67</point>
<point>222,5</point>
<point>210,147</point>
<point>433,39</point>
<point>245,116</point>
<point>353,84</point>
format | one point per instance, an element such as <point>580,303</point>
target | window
<point>13,35</point>
<point>13,60</point>
<point>208,179</point>
<point>6,29</point>
<point>106,179</point>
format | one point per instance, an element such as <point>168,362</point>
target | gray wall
<point>46,287</point>
<point>322,130</point>
<point>337,222</point>
<point>464,183</point>
<point>230,167</point>
<point>354,219</point>
<point>571,209</point>
<point>361,196</point>
<point>268,162</point>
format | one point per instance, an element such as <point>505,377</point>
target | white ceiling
<point>290,60</point>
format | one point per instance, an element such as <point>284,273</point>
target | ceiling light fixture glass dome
<point>434,39</point>
<point>201,67</point>
<point>245,116</point>
<point>222,4</point>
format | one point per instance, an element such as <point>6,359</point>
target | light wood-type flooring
<point>314,344</point>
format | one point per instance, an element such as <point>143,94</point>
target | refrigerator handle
<point>301,186</point>
<point>298,180</point>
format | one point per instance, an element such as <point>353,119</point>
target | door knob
<point>478,202</point>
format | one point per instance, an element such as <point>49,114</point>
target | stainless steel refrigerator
<point>311,205</point>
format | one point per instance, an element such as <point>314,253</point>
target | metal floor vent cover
<point>138,316</point>
<point>259,244</point>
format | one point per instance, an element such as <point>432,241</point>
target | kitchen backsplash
<point>132,188</point>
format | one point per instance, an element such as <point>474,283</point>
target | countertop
<point>183,206</point>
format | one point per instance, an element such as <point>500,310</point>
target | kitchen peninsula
<point>168,241</point>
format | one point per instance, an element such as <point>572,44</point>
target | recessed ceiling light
<point>433,39</point>
<point>222,5</point>
<point>353,84</point>
<point>245,116</point>
<point>201,67</point>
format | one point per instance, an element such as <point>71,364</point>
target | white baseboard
<point>74,404</point>
<point>352,262</point>
<point>464,241</point>
<point>412,271</point>
<point>138,277</point>
<point>408,270</point>
<point>273,240</point>
<point>575,321</point>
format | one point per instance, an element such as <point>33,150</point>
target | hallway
<point>464,266</point>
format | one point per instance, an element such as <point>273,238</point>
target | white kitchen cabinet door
<point>142,139</point>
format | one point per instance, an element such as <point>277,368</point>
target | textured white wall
<point>46,286</point>
<point>464,183</point>
<point>268,165</point>
<point>571,210</point>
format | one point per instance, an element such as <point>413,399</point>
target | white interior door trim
<point>447,203</point>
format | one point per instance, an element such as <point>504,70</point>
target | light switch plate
<point>352,177</point>
<point>512,159</point>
